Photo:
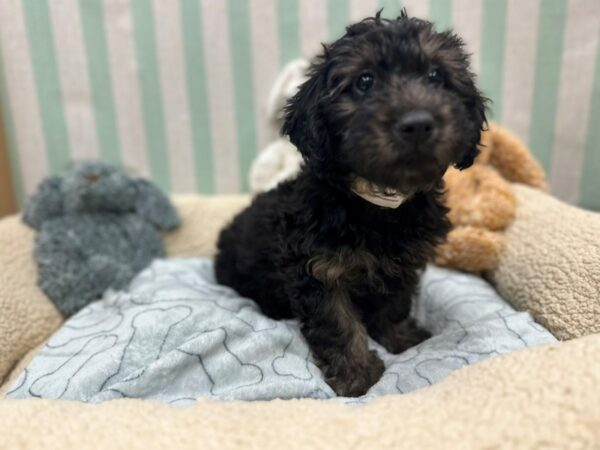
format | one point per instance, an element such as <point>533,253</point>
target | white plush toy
<point>280,160</point>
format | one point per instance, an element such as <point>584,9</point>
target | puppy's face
<point>391,101</point>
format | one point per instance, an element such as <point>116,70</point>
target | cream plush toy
<point>279,160</point>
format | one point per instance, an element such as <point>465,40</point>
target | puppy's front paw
<point>404,335</point>
<point>353,378</point>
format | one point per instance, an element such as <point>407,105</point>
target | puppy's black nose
<point>416,126</point>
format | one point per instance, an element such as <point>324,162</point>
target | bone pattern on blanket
<point>175,335</point>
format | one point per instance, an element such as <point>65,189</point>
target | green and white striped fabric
<point>176,89</point>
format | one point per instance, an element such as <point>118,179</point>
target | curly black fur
<point>314,250</point>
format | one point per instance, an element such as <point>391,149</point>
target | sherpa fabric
<point>541,397</point>
<point>27,317</point>
<point>176,335</point>
<point>551,264</point>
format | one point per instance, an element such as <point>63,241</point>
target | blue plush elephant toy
<point>97,228</point>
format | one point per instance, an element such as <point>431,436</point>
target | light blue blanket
<point>175,335</point>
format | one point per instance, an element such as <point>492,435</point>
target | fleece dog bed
<point>545,396</point>
<point>176,335</point>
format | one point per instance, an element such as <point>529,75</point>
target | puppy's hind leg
<point>338,340</point>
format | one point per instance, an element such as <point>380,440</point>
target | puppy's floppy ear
<point>304,122</point>
<point>477,108</point>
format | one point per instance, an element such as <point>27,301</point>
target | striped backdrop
<point>176,89</point>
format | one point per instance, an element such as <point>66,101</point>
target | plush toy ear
<point>45,204</point>
<point>303,121</point>
<point>155,207</point>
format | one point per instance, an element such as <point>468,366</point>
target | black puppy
<point>386,110</point>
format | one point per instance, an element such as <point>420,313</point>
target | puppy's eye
<point>365,82</point>
<point>435,76</point>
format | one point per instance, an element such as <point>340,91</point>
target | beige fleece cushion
<point>26,315</point>
<point>550,264</point>
<point>202,219</point>
<point>542,397</point>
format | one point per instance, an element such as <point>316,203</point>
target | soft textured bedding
<point>175,335</point>
<point>544,396</point>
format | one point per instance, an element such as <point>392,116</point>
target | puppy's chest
<point>354,267</point>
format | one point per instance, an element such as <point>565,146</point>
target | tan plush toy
<point>482,203</point>
<point>481,200</point>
